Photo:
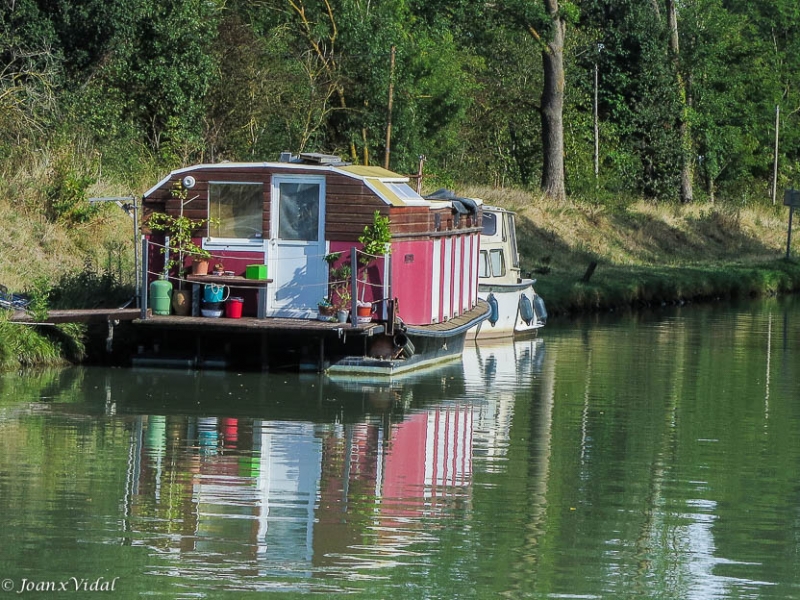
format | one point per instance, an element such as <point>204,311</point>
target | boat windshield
<point>489,223</point>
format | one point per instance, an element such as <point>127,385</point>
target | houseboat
<point>287,239</point>
<point>515,307</point>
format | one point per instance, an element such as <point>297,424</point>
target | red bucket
<point>233,308</point>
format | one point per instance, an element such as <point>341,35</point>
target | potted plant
<point>376,240</point>
<point>326,309</point>
<point>219,269</point>
<point>364,313</point>
<point>339,284</point>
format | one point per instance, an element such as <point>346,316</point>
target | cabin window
<point>492,263</point>
<point>497,262</point>
<point>483,264</point>
<point>405,192</point>
<point>489,223</point>
<point>237,210</point>
<point>512,235</point>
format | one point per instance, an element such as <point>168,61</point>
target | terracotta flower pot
<point>200,266</point>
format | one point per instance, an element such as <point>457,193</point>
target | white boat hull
<point>510,317</point>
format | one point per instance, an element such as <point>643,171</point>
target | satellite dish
<point>188,182</point>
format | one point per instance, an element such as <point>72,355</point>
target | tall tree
<point>638,97</point>
<point>547,23</point>
<point>687,161</point>
<point>553,104</point>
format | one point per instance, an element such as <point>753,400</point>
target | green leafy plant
<point>180,230</point>
<point>67,194</point>
<point>338,280</point>
<point>376,240</point>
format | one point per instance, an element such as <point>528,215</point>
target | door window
<point>299,211</point>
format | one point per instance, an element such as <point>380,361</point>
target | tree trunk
<point>687,164</point>
<point>553,107</point>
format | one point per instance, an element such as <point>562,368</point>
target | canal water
<point>645,456</point>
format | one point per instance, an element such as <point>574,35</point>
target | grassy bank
<point>648,254</point>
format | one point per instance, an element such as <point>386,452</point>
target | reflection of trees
<point>660,436</point>
<point>56,469</point>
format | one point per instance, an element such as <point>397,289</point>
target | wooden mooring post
<point>791,198</point>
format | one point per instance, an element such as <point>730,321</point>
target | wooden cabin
<point>289,215</point>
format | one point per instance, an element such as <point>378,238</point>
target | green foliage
<point>66,194</point>
<point>33,345</point>
<point>163,83</point>
<point>28,77</point>
<point>180,230</point>
<point>40,299</point>
<point>90,288</point>
<point>376,238</point>
<point>339,280</point>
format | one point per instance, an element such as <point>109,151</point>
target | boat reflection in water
<point>338,482</point>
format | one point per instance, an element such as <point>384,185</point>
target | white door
<point>297,246</point>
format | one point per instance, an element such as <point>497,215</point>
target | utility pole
<point>596,125</point>
<point>389,120</point>
<point>775,162</point>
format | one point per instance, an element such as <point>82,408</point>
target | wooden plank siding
<point>350,203</point>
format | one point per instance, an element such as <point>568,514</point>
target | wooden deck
<point>446,327</point>
<point>270,324</point>
<point>311,326</point>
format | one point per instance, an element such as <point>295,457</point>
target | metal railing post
<point>353,287</point>
<point>145,269</point>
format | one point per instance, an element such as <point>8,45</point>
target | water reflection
<point>317,487</point>
<point>652,456</point>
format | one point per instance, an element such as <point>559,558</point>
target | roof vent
<point>317,158</point>
<point>286,157</point>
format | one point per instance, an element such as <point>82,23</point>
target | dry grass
<point>647,254</point>
<point>33,246</point>
<point>570,235</point>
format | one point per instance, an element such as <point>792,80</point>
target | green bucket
<point>160,296</point>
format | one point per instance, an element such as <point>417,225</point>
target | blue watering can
<point>215,293</point>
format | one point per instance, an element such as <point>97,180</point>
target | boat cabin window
<point>489,223</point>
<point>405,192</point>
<point>236,210</point>
<point>497,262</point>
<point>512,234</point>
<point>483,264</point>
<point>492,263</point>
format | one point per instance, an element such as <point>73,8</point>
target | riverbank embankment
<point>589,258</point>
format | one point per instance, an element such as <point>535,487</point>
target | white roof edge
<point>492,207</point>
